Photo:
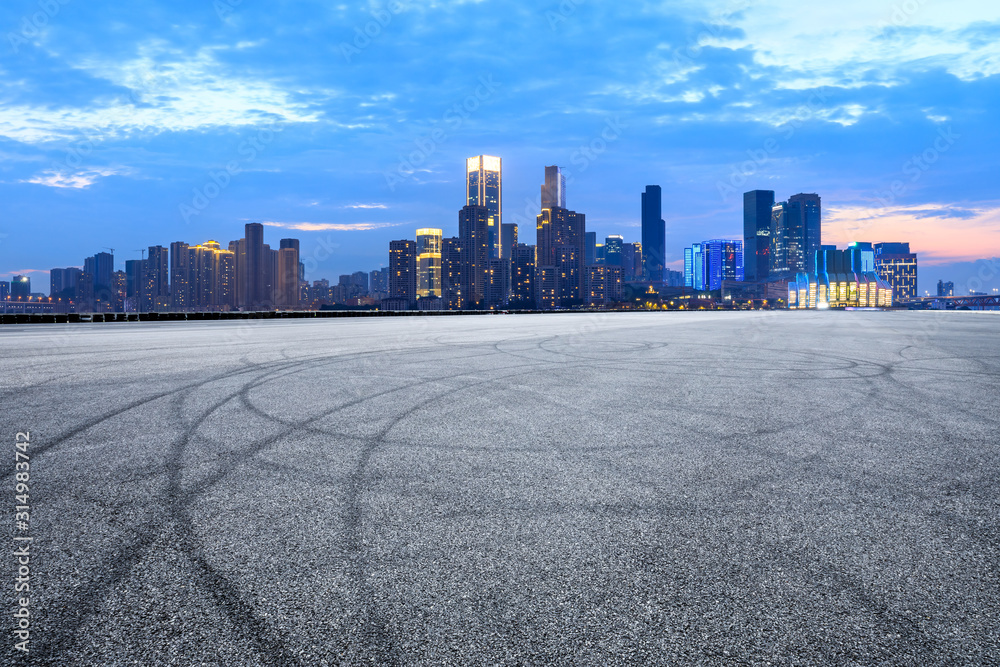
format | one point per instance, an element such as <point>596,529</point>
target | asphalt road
<point>672,488</point>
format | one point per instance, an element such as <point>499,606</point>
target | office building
<point>945,288</point>
<point>474,240</point>
<point>896,265</point>
<point>429,263</point>
<point>256,263</point>
<point>654,234</point>
<point>403,271</point>
<point>613,250</point>
<point>484,188</point>
<point>508,239</point>
<point>795,234</point>
<point>632,262</point>
<point>757,212</point>
<point>554,188</point>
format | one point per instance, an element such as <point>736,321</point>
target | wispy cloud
<point>939,233</point>
<point>366,206</point>
<point>334,226</point>
<point>80,180</point>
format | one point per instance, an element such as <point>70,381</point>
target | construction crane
<point>142,250</point>
<point>111,249</point>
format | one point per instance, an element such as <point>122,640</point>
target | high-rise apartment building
<point>403,270</point>
<point>522,280</point>
<point>257,262</point>
<point>429,263</point>
<point>757,213</point>
<point>945,288</point>
<point>20,288</point>
<point>452,272</point>
<point>155,294</point>
<point>560,256</point>
<point>484,188</point>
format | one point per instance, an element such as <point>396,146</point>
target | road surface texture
<point>647,488</point>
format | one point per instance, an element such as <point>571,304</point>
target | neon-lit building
<point>896,265</point>
<point>839,280</point>
<point>429,262</point>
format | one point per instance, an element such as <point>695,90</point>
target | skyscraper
<point>590,248</point>
<point>484,187</point>
<point>257,265</point>
<point>896,265</point>
<point>287,278</point>
<point>429,263</point>
<point>723,261</point>
<point>452,271</point>
<point>156,287</point>
<point>474,239</point>
<point>613,250</point>
<point>523,276</point>
<point>945,288</point>
<point>654,235</point>
<point>508,239</point>
<point>560,253</point>
<point>403,270</point>
<point>554,188</point>
<point>808,207</point>
<point>180,275</point>
<point>757,211</point>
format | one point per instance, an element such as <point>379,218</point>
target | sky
<point>347,125</point>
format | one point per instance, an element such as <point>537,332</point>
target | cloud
<point>80,180</point>
<point>366,206</point>
<point>160,89</point>
<point>938,233</point>
<point>334,226</point>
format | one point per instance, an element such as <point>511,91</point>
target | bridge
<point>971,302</point>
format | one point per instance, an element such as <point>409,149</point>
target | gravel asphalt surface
<point>648,488</point>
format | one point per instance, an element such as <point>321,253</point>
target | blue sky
<point>347,125</point>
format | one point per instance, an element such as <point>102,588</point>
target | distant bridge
<point>977,302</point>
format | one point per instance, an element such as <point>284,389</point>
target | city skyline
<point>110,132</point>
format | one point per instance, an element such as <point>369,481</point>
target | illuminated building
<point>429,263</point>
<point>20,287</point>
<point>604,284</point>
<point>508,239</point>
<point>403,271</point>
<point>654,234</point>
<point>180,275</point>
<point>498,283</point>
<point>896,265</point>
<point>688,267</point>
<point>560,257</point>
<point>155,289</point>
<point>4,290</point>
<point>484,187</point>
<point>757,211</point>
<point>451,273</point>
<point>945,288</point>
<point>613,250</point>
<point>286,278</point>
<point>795,234</point>
<point>839,281</point>
<point>632,262</point>
<point>523,276</point>
<point>474,237</point>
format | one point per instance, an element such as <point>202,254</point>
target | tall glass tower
<point>429,262</point>
<point>484,187</point>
